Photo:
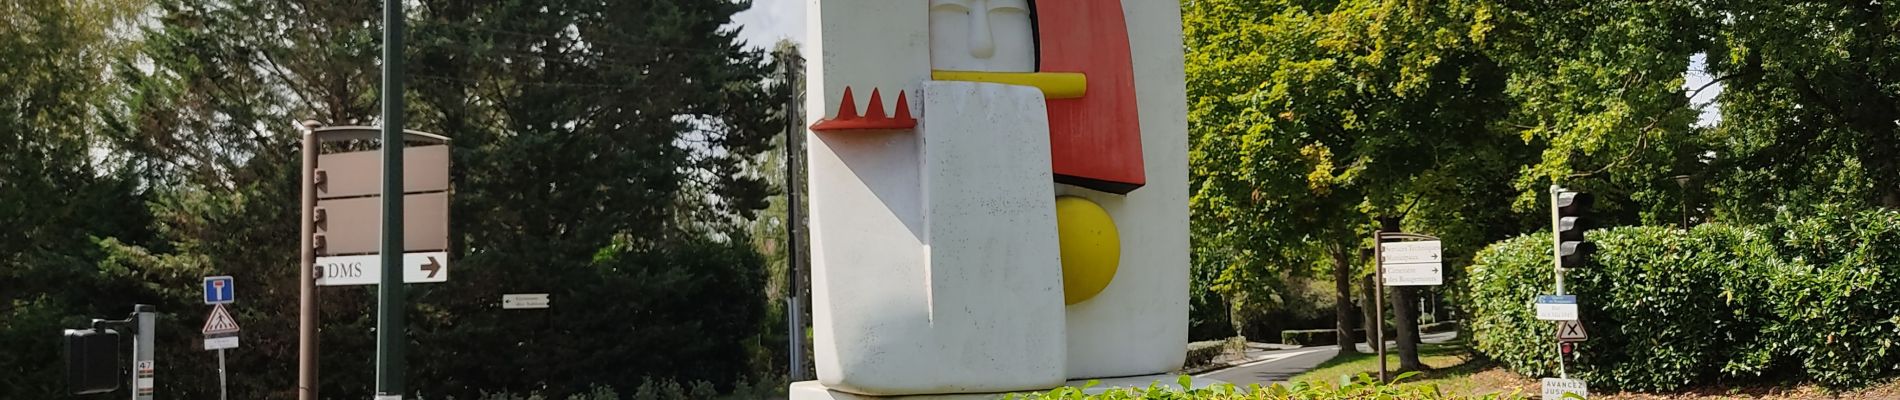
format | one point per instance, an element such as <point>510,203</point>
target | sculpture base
<point>812,390</point>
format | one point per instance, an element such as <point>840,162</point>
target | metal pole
<point>143,382</point>
<point>307,299</point>
<point>389,293</point>
<point>1378,301</point>
<point>221,385</point>
<point>1557,260</point>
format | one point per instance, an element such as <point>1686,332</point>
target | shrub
<point>1202,353</point>
<point>1362,388</point>
<point>1665,308</point>
<point>1814,297</point>
<point>1310,337</point>
<point>1836,302</point>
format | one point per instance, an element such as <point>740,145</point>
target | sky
<point>771,20</point>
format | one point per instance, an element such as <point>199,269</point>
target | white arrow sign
<point>524,301</point>
<point>1412,263</point>
<point>424,267</point>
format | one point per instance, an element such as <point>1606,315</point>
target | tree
<point>60,187</point>
<point>1311,119</point>
<point>599,150</point>
<point>1810,96</point>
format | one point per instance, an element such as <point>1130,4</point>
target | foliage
<point>1363,387</point>
<point>601,153</point>
<point>1666,308</point>
<point>1810,93</point>
<point>1835,303</point>
<point>1308,120</point>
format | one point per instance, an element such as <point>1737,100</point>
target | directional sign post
<point>220,290</point>
<point>365,209</point>
<point>1409,260</point>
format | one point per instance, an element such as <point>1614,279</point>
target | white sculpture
<point>934,262</point>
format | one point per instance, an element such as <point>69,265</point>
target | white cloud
<point>771,20</point>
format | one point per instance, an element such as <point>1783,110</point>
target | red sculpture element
<point>1095,140</point>
<point>875,117</point>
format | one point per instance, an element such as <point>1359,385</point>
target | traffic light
<point>92,361</point>
<point>1572,249</point>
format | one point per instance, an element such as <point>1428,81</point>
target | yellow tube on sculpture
<point>1054,85</point>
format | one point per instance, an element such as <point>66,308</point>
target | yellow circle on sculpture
<point>1091,248</point>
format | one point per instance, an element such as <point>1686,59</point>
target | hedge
<point>1814,298</point>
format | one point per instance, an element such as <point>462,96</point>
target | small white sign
<point>1414,275</point>
<point>525,301</point>
<point>424,267</point>
<point>1412,263</point>
<point>1571,331</point>
<point>1556,389</point>
<point>221,343</point>
<point>1557,308</point>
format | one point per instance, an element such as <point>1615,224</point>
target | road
<point>1277,366</point>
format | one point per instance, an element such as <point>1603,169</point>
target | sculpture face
<point>982,35</point>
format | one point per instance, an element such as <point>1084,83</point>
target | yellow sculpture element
<point>1054,85</point>
<point>1090,246</point>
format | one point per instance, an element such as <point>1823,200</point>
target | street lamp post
<point>1682,181</point>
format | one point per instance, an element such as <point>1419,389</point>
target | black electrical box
<point>92,361</point>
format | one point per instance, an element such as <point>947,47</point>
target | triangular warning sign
<point>1571,331</point>
<point>220,322</point>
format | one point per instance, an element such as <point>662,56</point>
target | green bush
<point>1202,353</point>
<point>1362,388</point>
<point>1310,337</point>
<point>1815,297</point>
<point>1661,305</point>
<point>1836,302</point>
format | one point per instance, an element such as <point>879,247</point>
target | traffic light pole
<point>1557,260</point>
<point>390,327</point>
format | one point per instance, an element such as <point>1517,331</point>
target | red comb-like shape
<point>874,118</point>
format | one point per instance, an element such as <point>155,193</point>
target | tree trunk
<point>1404,306</point>
<point>1342,298</point>
<point>1367,313</point>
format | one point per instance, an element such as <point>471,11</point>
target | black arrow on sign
<point>432,267</point>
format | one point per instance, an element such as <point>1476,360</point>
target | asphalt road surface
<point>1278,366</point>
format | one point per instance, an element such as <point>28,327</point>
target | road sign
<point>1555,389</point>
<point>1571,331</point>
<point>524,301</point>
<point>1417,263</point>
<point>425,267</point>
<point>1557,308</point>
<point>221,343</point>
<point>220,322</point>
<point>220,290</point>
<point>349,207</point>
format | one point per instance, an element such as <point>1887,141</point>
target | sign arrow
<point>432,267</point>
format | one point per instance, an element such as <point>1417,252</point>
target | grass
<point>1452,369</point>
